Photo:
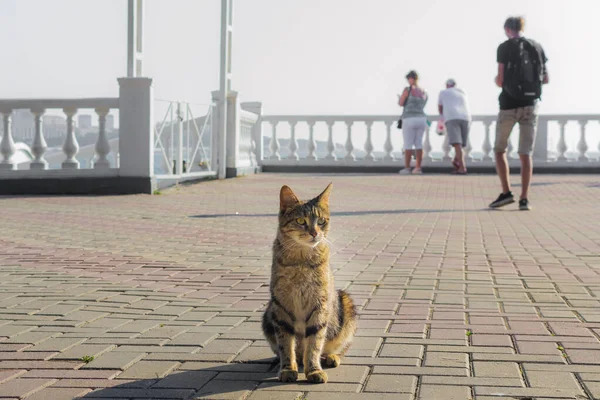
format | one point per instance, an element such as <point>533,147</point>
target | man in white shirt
<point>454,107</point>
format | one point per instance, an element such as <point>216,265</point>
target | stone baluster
<point>468,149</point>
<point>312,144</point>
<point>349,146</point>
<point>7,145</point>
<point>446,147</point>
<point>582,146</point>
<point>561,147</point>
<point>102,145</point>
<point>369,142</point>
<point>510,149</point>
<point>388,146</point>
<point>274,145</point>
<point>293,142</point>
<point>427,144</point>
<point>70,147</point>
<point>330,145</point>
<point>487,144</point>
<point>38,146</point>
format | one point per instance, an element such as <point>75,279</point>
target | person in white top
<point>453,105</point>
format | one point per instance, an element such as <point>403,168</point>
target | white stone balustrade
<point>381,138</point>
<point>70,107</point>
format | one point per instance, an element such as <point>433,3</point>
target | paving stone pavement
<point>160,297</point>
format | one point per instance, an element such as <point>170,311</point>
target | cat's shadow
<point>209,382</point>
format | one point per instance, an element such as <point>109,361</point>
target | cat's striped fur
<point>306,321</point>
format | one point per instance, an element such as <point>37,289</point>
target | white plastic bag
<point>441,127</point>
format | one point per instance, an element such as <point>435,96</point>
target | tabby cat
<point>306,321</point>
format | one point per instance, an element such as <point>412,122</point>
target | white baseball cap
<point>451,82</point>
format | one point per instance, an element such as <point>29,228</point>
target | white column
<point>233,130</point>
<point>312,145</point>
<point>39,146</point>
<point>388,146</point>
<point>427,144</point>
<point>274,145</point>
<point>102,145</point>
<point>349,146</point>
<point>468,149</point>
<point>215,137</point>
<point>257,134</point>
<point>7,145</point>
<point>224,82</point>
<point>135,24</point>
<point>582,146</point>
<point>70,147</point>
<point>136,127</point>
<point>487,144</point>
<point>330,145</point>
<point>446,148</point>
<point>293,146</point>
<point>369,143</point>
<point>179,149</point>
<point>561,147</point>
<point>510,149</point>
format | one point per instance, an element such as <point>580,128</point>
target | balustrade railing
<point>374,140</point>
<point>70,148</point>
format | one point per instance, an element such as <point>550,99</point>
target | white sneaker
<point>417,171</point>
<point>404,171</point>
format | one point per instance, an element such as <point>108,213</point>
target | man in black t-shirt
<point>516,110</point>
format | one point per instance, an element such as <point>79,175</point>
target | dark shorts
<point>458,131</point>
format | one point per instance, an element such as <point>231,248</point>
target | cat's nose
<point>313,233</point>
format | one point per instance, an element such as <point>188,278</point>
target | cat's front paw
<point>332,361</point>
<point>288,375</point>
<point>318,376</point>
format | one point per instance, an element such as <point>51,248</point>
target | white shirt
<point>455,104</point>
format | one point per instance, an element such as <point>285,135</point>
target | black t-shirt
<point>507,51</point>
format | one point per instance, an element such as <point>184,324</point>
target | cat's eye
<point>322,221</point>
<point>300,221</point>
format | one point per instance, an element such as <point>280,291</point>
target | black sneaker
<point>502,200</point>
<point>524,205</point>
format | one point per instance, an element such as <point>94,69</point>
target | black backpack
<point>524,73</point>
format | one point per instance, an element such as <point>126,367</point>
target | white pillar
<point>233,131</point>
<point>7,145</point>
<point>39,146</point>
<point>102,145</point>
<point>136,127</point>
<point>135,24</point>
<point>70,147</point>
<point>224,82</point>
<point>257,134</point>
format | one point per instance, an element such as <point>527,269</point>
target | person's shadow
<point>207,383</point>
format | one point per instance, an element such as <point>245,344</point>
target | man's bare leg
<point>460,158</point>
<point>526,173</point>
<point>503,171</point>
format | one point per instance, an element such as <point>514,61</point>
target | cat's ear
<point>323,198</point>
<point>287,198</point>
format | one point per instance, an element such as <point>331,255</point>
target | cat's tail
<point>347,323</point>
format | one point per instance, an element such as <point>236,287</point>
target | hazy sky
<point>298,56</point>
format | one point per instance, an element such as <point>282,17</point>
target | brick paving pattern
<point>160,297</point>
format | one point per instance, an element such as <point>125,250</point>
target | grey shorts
<point>458,131</point>
<point>527,118</point>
